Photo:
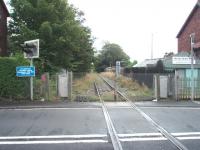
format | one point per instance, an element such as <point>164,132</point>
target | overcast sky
<point>131,23</point>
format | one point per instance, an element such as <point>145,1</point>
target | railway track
<point>110,126</point>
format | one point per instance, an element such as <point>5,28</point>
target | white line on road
<point>4,108</point>
<point>189,138</point>
<point>157,139</point>
<point>56,139</point>
<point>92,141</point>
<point>51,142</point>
<point>139,134</point>
<point>186,133</point>
<point>143,139</point>
<point>54,136</point>
<point>158,134</point>
<point>169,107</point>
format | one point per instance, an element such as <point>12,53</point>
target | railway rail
<point>111,130</point>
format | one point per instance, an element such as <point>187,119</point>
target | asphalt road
<point>82,126</point>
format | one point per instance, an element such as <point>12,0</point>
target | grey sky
<point>130,23</point>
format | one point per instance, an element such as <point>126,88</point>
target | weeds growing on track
<point>83,88</point>
<point>130,87</point>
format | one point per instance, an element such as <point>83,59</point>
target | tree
<point>64,41</point>
<point>168,54</point>
<point>108,56</point>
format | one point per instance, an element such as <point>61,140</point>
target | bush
<point>13,87</point>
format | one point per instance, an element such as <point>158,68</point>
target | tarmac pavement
<point>82,126</point>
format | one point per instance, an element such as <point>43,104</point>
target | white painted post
<point>31,81</point>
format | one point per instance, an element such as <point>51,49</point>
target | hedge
<point>12,87</point>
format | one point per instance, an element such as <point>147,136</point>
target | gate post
<point>176,85</point>
<point>157,86</point>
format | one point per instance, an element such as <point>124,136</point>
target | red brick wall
<point>193,26</point>
<point>3,32</point>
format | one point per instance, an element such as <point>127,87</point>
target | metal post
<point>48,86</point>
<point>192,66</point>
<point>31,81</point>
<point>70,80</point>
<point>115,88</point>
<point>176,85</point>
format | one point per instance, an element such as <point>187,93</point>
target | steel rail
<point>164,132</point>
<point>111,130</point>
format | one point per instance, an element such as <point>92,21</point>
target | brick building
<point>3,28</point>
<point>191,25</point>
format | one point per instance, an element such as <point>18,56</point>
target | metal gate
<point>163,86</point>
<point>184,87</point>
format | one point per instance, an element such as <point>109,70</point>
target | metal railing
<point>184,88</point>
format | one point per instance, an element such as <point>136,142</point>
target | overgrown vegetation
<point>12,87</point>
<point>83,87</point>
<point>132,88</point>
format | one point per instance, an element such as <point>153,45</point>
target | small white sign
<point>182,60</point>
<point>118,68</point>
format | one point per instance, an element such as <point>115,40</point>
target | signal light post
<point>31,51</point>
<point>31,81</point>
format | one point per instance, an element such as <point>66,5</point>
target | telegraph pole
<point>152,46</point>
<point>192,37</point>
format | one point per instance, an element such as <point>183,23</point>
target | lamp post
<point>192,37</point>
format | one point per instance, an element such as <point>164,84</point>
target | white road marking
<point>51,142</point>
<point>139,134</point>
<point>94,108</point>
<point>157,138</point>
<point>54,136</point>
<point>143,139</point>
<point>55,139</point>
<point>157,134</point>
<point>186,133</point>
<point>169,107</point>
<point>189,138</point>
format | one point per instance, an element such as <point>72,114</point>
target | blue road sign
<point>25,71</point>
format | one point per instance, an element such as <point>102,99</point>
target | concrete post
<point>157,86</point>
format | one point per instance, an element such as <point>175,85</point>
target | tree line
<point>65,42</point>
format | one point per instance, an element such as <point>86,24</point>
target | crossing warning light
<point>31,48</point>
